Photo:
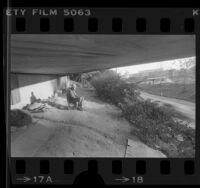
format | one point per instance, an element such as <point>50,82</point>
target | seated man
<point>73,98</point>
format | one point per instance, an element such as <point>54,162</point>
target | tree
<point>185,65</point>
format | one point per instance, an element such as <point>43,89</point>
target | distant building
<point>156,80</point>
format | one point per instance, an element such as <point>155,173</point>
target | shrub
<point>147,110</point>
<point>110,86</point>
<point>156,128</point>
<point>154,124</point>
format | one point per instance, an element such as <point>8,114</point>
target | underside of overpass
<point>63,54</point>
<point>39,62</point>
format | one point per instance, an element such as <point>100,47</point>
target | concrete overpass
<point>61,54</point>
<point>38,62</point>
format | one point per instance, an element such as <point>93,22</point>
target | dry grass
<point>178,91</point>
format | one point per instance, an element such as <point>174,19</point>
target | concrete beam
<point>61,54</point>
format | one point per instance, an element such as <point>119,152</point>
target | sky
<point>166,65</point>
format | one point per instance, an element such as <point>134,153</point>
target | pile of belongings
<point>41,106</point>
<point>59,103</point>
<point>19,118</point>
<point>35,107</point>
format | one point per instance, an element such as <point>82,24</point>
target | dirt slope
<point>184,107</point>
<point>98,131</point>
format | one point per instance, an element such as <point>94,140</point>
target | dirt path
<point>98,131</point>
<point>184,107</point>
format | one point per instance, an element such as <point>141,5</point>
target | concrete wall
<point>42,86</point>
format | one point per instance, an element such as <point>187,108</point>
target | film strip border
<point>112,171</point>
<point>93,25</point>
<point>108,20</point>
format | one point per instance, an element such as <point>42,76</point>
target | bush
<point>156,128</point>
<point>110,86</point>
<point>154,124</point>
<point>147,110</point>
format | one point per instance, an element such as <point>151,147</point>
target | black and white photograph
<point>107,95</point>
